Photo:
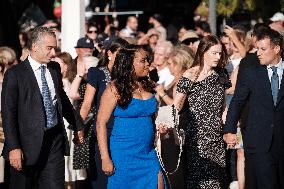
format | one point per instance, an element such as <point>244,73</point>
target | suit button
<point>272,125</point>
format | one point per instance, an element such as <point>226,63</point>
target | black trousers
<point>48,172</point>
<point>264,170</point>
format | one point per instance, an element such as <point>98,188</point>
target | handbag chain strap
<point>176,124</point>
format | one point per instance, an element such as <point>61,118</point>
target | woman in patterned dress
<point>203,88</point>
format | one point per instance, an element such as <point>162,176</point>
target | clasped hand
<point>79,136</point>
<point>230,139</point>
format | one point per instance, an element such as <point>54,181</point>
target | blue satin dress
<point>132,146</point>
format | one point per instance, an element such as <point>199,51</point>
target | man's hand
<point>16,159</point>
<point>79,136</point>
<point>230,139</point>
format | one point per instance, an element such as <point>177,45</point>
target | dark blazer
<point>264,120</point>
<point>23,113</point>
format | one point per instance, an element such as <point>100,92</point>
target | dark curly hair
<point>124,77</point>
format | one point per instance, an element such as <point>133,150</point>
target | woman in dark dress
<point>202,87</point>
<point>180,59</point>
<point>97,80</point>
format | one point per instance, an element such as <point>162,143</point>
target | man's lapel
<point>32,79</point>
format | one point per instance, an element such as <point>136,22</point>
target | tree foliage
<point>226,7</point>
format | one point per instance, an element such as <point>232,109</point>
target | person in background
<point>130,30</point>
<point>183,29</point>
<point>190,39</point>
<point>7,59</point>
<point>92,31</point>
<point>151,38</point>
<point>157,21</point>
<point>71,176</point>
<point>277,22</point>
<point>97,80</point>
<point>25,53</point>
<point>84,48</point>
<point>180,59</point>
<point>161,54</point>
<point>131,161</point>
<point>202,28</point>
<point>237,36</point>
<point>202,87</point>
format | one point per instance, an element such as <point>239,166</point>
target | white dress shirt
<point>280,68</point>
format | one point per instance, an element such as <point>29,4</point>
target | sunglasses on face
<point>92,31</point>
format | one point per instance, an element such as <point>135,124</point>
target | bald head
<point>132,23</point>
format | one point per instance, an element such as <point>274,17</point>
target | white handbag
<point>168,115</point>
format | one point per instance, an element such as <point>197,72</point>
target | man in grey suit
<point>33,106</point>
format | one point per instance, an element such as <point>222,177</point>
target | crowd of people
<point>89,122</point>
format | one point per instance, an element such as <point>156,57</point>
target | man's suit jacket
<point>23,113</point>
<point>265,121</point>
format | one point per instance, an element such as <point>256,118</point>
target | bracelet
<point>163,95</point>
<point>79,76</point>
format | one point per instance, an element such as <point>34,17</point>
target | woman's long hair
<point>67,60</point>
<point>204,45</point>
<point>124,77</point>
<point>112,47</point>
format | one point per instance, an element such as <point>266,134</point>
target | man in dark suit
<point>33,106</point>
<point>262,87</point>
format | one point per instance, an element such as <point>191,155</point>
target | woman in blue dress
<point>132,161</point>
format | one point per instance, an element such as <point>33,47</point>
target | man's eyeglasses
<point>92,31</point>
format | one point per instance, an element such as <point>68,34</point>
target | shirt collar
<point>34,64</point>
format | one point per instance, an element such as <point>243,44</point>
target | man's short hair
<point>38,33</point>
<point>259,28</point>
<point>275,38</point>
